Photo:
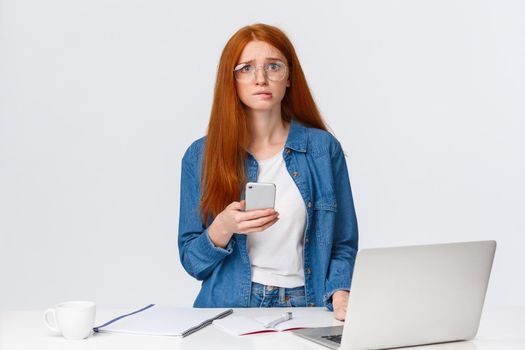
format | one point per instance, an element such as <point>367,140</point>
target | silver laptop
<point>415,295</point>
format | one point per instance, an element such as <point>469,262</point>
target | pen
<point>284,317</point>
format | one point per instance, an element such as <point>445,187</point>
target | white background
<point>99,100</point>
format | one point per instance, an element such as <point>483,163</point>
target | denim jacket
<point>317,165</point>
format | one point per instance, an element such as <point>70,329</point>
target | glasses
<point>275,71</point>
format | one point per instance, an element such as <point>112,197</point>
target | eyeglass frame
<point>263,66</point>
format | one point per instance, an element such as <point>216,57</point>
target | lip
<point>267,94</point>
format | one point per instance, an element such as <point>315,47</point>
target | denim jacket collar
<point>297,137</point>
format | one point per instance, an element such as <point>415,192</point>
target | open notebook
<point>163,320</point>
<point>244,325</point>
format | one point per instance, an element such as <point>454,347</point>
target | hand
<point>340,302</point>
<point>233,219</point>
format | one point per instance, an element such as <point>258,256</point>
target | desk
<point>500,329</point>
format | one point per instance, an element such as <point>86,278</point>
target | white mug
<point>74,319</point>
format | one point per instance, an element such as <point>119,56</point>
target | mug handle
<point>53,326</point>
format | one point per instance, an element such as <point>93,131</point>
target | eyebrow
<point>266,59</point>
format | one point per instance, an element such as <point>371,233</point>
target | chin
<point>261,109</point>
<point>263,105</point>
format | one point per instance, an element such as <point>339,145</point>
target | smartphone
<point>259,195</point>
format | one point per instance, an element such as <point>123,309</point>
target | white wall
<point>99,99</point>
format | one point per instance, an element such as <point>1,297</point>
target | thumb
<point>236,205</point>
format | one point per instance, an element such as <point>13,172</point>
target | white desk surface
<point>500,329</point>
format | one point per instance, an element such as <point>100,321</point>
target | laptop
<point>416,295</point>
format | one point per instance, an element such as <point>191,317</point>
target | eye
<point>244,68</point>
<point>274,67</point>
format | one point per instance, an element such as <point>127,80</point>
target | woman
<point>265,126</point>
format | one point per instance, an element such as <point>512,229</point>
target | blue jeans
<point>272,296</point>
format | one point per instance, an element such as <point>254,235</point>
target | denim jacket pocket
<point>326,202</point>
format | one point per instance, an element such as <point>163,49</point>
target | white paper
<point>157,320</point>
<point>243,325</point>
<point>240,325</point>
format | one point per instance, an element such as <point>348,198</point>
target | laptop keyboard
<point>334,338</point>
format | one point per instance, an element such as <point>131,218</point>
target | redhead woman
<point>265,127</point>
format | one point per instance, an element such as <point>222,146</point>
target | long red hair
<point>223,173</point>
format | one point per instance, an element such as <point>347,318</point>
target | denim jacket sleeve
<point>345,239</point>
<point>198,255</point>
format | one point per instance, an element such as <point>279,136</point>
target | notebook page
<point>162,320</point>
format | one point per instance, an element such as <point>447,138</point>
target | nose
<point>260,76</point>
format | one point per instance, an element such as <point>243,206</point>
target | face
<point>257,91</point>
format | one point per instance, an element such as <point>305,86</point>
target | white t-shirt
<point>276,254</point>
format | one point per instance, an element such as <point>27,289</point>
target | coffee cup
<point>73,319</point>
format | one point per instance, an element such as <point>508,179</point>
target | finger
<point>262,228</point>
<point>257,223</point>
<point>340,314</point>
<point>256,214</point>
<point>243,204</point>
<point>235,206</point>
<point>246,220</point>
<point>340,301</point>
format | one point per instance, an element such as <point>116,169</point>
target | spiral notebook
<point>163,320</point>
<point>243,325</point>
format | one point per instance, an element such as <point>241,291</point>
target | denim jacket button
<point>311,304</point>
<point>288,151</point>
<point>295,173</point>
<point>309,204</point>
<point>308,271</point>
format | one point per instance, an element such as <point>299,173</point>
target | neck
<point>266,128</point>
